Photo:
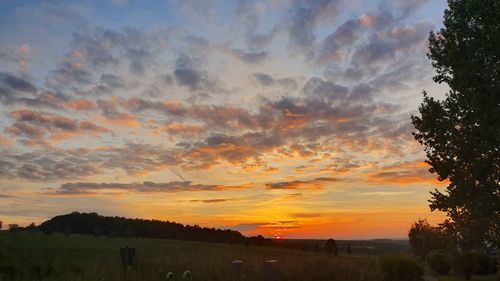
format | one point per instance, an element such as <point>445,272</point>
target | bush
<point>484,264</point>
<point>463,264</point>
<point>439,261</point>
<point>397,267</point>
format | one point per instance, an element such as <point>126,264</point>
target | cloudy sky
<point>278,117</point>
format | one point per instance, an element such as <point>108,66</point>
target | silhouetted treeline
<point>95,224</point>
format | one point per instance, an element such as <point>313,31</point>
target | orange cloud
<point>81,104</point>
<point>366,20</point>
<point>5,141</point>
<point>402,173</point>
<point>316,183</point>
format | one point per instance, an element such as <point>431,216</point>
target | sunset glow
<point>289,119</point>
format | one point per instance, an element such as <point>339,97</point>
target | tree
<point>97,231</point>
<point>14,228</point>
<point>1,224</point>
<point>348,250</point>
<point>461,134</point>
<point>331,247</point>
<point>67,230</point>
<point>425,238</point>
<point>31,228</point>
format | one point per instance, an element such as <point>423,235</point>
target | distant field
<point>33,256</point>
<point>459,278</point>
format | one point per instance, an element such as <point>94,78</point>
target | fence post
<point>271,270</point>
<point>237,270</point>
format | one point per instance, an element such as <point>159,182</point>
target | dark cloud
<point>216,200</point>
<point>35,125</point>
<point>13,88</point>
<point>51,163</point>
<point>16,83</point>
<point>112,81</point>
<point>250,57</point>
<point>304,18</point>
<point>187,74</point>
<point>46,165</point>
<point>264,79</point>
<point>82,188</point>
<point>316,183</point>
<point>385,45</point>
<point>95,49</point>
<point>330,91</point>
<point>334,45</point>
<point>267,80</point>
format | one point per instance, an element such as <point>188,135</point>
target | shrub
<point>474,262</point>
<point>397,267</point>
<point>463,264</point>
<point>439,261</point>
<point>484,264</point>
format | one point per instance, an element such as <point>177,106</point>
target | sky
<point>282,118</point>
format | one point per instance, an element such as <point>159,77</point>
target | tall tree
<point>461,134</point>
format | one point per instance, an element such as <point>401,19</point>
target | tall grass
<point>32,256</point>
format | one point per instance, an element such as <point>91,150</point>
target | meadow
<point>34,256</point>
<point>57,257</point>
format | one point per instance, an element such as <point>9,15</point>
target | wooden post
<point>271,270</point>
<point>237,270</point>
<point>127,256</point>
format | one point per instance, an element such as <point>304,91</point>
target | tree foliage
<point>94,224</point>
<point>425,238</point>
<point>331,247</point>
<point>461,134</point>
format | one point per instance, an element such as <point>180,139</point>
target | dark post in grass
<point>127,255</point>
<point>237,270</point>
<point>271,270</point>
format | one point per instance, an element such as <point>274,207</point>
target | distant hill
<point>95,224</point>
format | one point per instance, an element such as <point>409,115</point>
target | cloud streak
<point>86,188</point>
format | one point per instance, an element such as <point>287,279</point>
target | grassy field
<point>460,278</point>
<point>32,256</point>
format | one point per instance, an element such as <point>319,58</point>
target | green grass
<point>33,256</point>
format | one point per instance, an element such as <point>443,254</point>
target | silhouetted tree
<point>331,247</point>
<point>425,238</point>
<point>67,230</point>
<point>31,228</point>
<point>97,231</point>
<point>14,228</point>
<point>348,250</point>
<point>92,223</point>
<point>1,224</point>
<point>48,230</point>
<point>461,134</point>
<point>129,232</point>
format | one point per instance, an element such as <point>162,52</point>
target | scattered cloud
<point>85,188</point>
